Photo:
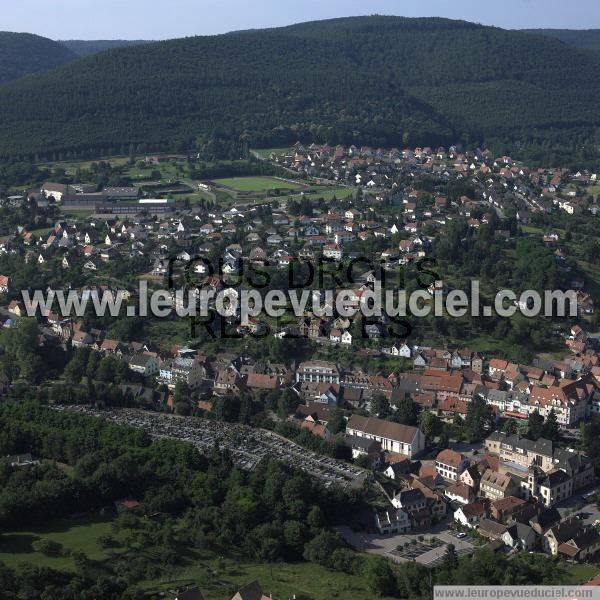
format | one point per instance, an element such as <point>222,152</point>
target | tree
<point>510,427</point>
<point>336,423</point>
<point>181,392</point>
<point>450,558</point>
<point>47,547</point>
<point>321,547</point>
<point>380,406</point>
<point>590,441</point>
<point>110,369</point>
<point>288,402</point>
<point>379,576</point>
<point>535,425</point>
<point>20,345</point>
<point>478,419</point>
<point>444,441</point>
<point>364,461</point>
<point>407,412</point>
<point>315,519</point>
<point>430,424</point>
<point>294,534</point>
<point>551,430</point>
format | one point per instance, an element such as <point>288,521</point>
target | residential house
<point>450,464</point>
<point>572,539</point>
<point>398,468</point>
<point>144,364</point>
<point>252,591</point>
<point>507,508</point>
<point>470,477</point>
<point>362,446</point>
<point>228,381</point>
<point>460,492</point>
<point>471,514</point>
<point>319,371</point>
<point>392,521</point>
<point>16,307</point>
<point>497,485</point>
<point>520,536</point>
<point>491,529</point>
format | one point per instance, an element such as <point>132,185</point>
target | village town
<point>298,303</point>
<point>441,434</point>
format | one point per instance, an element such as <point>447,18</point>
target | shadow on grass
<point>17,543</point>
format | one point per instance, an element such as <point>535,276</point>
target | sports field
<point>256,184</point>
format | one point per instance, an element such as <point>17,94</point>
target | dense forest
<point>88,47</point>
<point>386,81</point>
<point>25,53</point>
<point>584,39</point>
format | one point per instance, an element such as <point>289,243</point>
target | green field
<point>593,190</point>
<point>256,184</point>
<point>266,152</point>
<point>71,166</point>
<point>77,533</point>
<point>218,578</point>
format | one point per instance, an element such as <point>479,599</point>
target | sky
<point>164,19</point>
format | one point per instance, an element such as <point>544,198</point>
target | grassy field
<point>578,574</point>
<point>76,214</point>
<point>220,578</point>
<point>71,166</point>
<point>217,578</point>
<point>77,533</point>
<point>325,192</point>
<point>266,152</point>
<point>167,332</point>
<point>256,184</point>
<point>593,190</point>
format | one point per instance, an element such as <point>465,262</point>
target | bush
<point>106,541</point>
<point>47,547</point>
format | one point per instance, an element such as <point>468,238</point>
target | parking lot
<point>424,552</point>
<point>577,505</point>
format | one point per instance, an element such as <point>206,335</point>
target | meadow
<point>217,577</point>
<point>256,184</point>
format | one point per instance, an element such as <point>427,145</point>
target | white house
<point>470,515</point>
<point>144,364</point>
<point>333,251</point>
<point>392,521</point>
<point>450,464</point>
<point>393,437</point>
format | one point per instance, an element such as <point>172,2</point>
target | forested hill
<point>369,80</point>
<point>88,47</point>
<point>25,53</point>
<point>585,39</point>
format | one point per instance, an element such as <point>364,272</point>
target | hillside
<point>25,53</point>
<point>584,39</point>
<point>89,47</point>
<point>372,80</point>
